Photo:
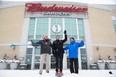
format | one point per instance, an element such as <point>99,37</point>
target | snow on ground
<point>35,73</point>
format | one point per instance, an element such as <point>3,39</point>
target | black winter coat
<point>45,46</point>
<point>57,48</point>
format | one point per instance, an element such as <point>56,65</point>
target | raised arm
<point>65,39</point>
<point>81,44</point>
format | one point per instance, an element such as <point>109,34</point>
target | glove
<point>83,40</point>
<point>64,31</point>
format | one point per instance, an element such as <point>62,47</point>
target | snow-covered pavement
<point>35,73</point>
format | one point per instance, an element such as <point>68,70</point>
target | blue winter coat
<point>73,48</point>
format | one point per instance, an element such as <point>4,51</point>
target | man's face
<point>57,37</point>
<point>45,36</point>
<point>71,40</point>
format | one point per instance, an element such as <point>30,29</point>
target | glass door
<point>83,58</point>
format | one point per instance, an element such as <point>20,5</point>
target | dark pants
<point>74,65</point>
<point>59,62</point>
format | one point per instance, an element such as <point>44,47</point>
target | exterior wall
<point>11,23</point>
<point>104,52</point>
<point>102,32</point>
<point>114,13</point>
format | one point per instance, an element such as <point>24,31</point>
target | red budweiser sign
<point>35,7</point>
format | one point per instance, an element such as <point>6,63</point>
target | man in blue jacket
<point>73,54</point>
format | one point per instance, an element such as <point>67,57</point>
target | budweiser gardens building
<point>22,22</point>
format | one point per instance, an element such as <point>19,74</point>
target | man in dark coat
<point>45,53</point>
<point>58,52</point>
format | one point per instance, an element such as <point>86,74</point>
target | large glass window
<point>31,28</point>
<point>38,27</point>
<point>70,26</point>
<point>42,27</point>
<point>81,28</point>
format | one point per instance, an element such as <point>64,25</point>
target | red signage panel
<point>38,7</point>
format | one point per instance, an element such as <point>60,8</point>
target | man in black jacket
<point>58,52</point>
<point>45,45</point>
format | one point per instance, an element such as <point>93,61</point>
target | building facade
<point>21,23</point>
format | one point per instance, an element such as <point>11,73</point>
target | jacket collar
<point>72,42</point>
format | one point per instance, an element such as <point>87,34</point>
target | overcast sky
<point>83,1</point>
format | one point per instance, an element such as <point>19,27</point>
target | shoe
<point>59,72</point>
<point>40,73</point>
<point>76,72</point>
<point>47,71</point>
<point>72,72</point>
